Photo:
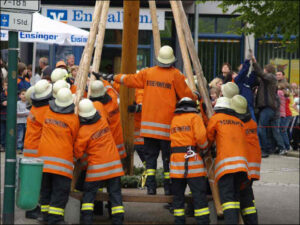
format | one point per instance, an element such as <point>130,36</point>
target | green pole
<point>10,152</point>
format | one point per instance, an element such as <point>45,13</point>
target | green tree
<point>271,18</point>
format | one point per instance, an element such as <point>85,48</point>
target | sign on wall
<point>82,17</point>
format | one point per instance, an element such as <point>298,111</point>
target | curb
<point>295,154</point>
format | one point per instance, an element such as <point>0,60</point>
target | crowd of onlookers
<point>26,79</point>
<point>272,102</point>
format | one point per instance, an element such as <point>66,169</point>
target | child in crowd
<point>3,103</point>
<point>214,95</point>
<point>22,113</point>
<point>216,83</point>
<point>23,81</point>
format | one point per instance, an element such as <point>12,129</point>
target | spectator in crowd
<point>70,62</point>
<point>226,70</point>
<point>246,81</point>
<point>23,81</point>
<point>214,95</point>
<point>34,78</point>
<point>284,122</point>
<point>61,64</point>
<point>22,113</point>
<point>45,68</point>
<point>266,102</point>
<point>74,70</point>
<point>280,76</point>
<point>294,129</point>
<point>3,102</point>
<point>216,83</point>
<point>3,69</point>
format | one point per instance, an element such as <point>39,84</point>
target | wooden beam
<point>128,66</point>
<point>155,29</point>
<point>100,41</point>
<point>85,62</point>
<point>141,197</point>
<point>202,83</point>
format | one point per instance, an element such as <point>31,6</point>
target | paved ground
<point>277,198</point>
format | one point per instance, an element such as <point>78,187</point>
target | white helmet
<point>59,85</point>
<point>239,104</point>
<point>230,89</point>
<point>28,94</point>
<point>64,97</point>
<point>166,55</point>
<point>86,108</point>
<point>97,89</point>
<point>58,74</point>
<point>185,99</point>
<point>42,89</point>
<point>223,102</point>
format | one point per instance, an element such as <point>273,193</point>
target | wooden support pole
<point>128,66</point>
<point>100,41</point>
<point>182,43</point>
<point>85,62</point>
<point>155,29</point>
<point>202,83</point>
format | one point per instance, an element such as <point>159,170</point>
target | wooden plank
<point>128,66</point>
<point>155,29</point>
<point>130,197</point>
<point>183,46</point>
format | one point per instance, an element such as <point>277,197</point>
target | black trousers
<point>140,151</point>
<point>115,197</point>
<point>198,189</point>
<point>152,148</point>
<point>248,209</point>
<point>229,189</point>
<point>55,192</point>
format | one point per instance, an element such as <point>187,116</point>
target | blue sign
<point>4,20</point>
<point>58,14</point>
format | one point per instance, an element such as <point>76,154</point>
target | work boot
<point>43,218</point>
<point>33,214</point>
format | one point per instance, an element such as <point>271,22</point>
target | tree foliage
<point>277,19</point>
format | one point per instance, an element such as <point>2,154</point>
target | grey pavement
<point>277,198</point>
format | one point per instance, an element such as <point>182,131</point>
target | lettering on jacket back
<point>56,123</point>
<point>100,133</point>
<point>159,84</point>
<point>231,122</point>
<point>180,129</point>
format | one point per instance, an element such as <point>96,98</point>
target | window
<point>227,25</point>
<point>207,25</point>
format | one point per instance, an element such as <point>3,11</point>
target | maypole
<point>128,66</point>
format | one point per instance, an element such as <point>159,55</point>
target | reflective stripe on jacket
<point>56,146</point>
<point>97,142</point>
<point>162,88</point>
<point>253,149</point>
<point>187,129</point>
<point>228,131</point>
<point>34,128</point>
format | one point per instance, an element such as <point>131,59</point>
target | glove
<point>204,107</point>
<point>97,75</point>
<point>198,95</point>
<point>134,108</point>
<point>108,77</point>
<point>70,80</point>
<point>213,151</point>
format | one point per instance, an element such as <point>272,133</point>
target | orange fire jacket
<point>96,141</point>
<point>73,89</point>
<point>187,129</point>
<point>163,87</point>
<point>138,139</point>
<point>34,128</point>
<point>253,149</point>
<point>114,118</point>
<point>56,146</point>
<point>228,131</point>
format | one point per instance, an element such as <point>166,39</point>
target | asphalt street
<point>277,198</point>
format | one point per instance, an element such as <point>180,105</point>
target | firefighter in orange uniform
<point>136,108</point>
<point>60,129</point>
<point>249,213</point>
<point>231,167</point>
<point>40,104</point>
<point>188,137</point>
<point>104,164</point>
<point>163,86</point>
<point>110,103</point>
